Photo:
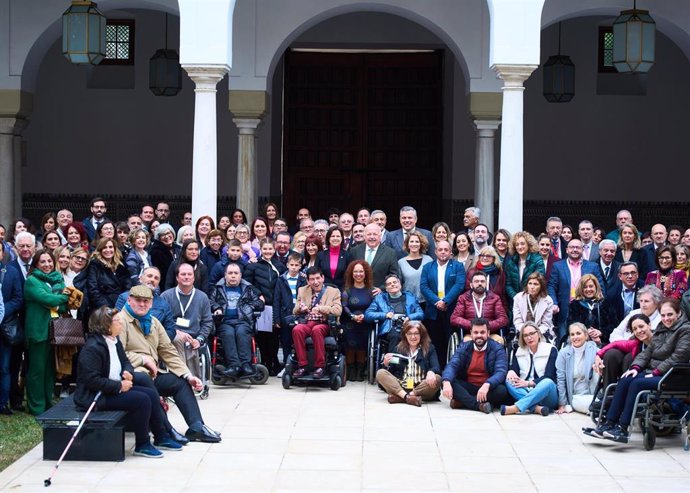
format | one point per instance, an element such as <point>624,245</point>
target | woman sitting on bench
<point>103,366</point>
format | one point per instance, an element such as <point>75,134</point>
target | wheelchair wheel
<point>335,382</point>
<point>261,375</point>
<point>371,363</point>
<point>453,344</point>
<point>342,366</point>
<point>649,438</point>
<point>286,380</point>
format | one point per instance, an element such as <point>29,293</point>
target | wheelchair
<point>336,367</point>
<point>218,363</point>
<point>507,334</point>
<point>379,344</point>
<point>660,412</point>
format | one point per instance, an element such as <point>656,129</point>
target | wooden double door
<point>363,129</point>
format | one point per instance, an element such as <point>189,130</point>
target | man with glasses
<point>280,226</point>
<point>98,210</point>
<point>163,212</point>
<point>381,258</point>
<point>565,276</point>
<point>623,298</point>
<point>320,229</point>
<point>306,226</point>
<point>345,222</point>
<point>283,247</point>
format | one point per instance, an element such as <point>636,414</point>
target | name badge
<point>182,322</point>
<point>409,384</point>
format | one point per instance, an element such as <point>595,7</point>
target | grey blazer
<point>565,369</point>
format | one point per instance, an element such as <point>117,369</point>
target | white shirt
<point>442,279</point>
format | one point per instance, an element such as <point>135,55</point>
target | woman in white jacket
<point>577,380</point>
<point>533,304</point>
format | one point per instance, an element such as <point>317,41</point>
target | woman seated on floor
<point>532,377</point>
<point>412,373</point>
<point>615,358</point>
<point>577,380</point>
<point>670,346</point>
<point>104,367</point>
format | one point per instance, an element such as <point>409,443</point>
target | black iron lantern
<point>634,33</point>
<point>83,33</point>
<point>559,76</point>
<point>165,73</point>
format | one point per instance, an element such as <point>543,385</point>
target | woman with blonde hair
<point>489,262</point>
<point>591,309</point>
<point>523,261</point>
<point>629,245</point>
<point>577,380</point>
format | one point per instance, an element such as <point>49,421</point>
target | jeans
<point>237,342</point>
<point>544,393</point>
<point>621,410</point>
<point>5,355</point>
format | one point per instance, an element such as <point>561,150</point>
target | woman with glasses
<point>164,251</point>
<point>299,241</point>
<point>411,372</point>
<point>576,378</point>
<point>532,377</point>
<point>250,253</point>
<point>672,282</point>
<point>490,264</point>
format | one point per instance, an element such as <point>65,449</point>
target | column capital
<point>248,104</point>
<point>206,77</point>
<point>247,126</point>
<point>486,128</point>
<point>514,75</point>
<point>12,126</point>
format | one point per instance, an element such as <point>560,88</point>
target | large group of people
<point>579,304</point>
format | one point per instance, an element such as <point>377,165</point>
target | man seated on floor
<point>315,302</point>
<point>146,344</point>
<point>475,375</point>
<point>236,300</point>
<point>192,312</point>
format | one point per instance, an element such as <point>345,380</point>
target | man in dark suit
<point>408,221</point>
<point>659,236</point>
<point>441,283</point>
<point>554,226</point>
<point>590,250</point>
<point>379,217</point>
<point>98,210</point>
<point>623,296</point>
<point>560,287</point>
<point>608,267</point>
<point>382,258</point>
<point>283,247</point>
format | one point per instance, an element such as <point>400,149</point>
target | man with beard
<point>478,302</point>
<point>481,237</point>
<point>98,210</point>
<point>474,377</point>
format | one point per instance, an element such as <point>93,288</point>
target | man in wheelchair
<point>192,312</point>
<point>234,301</point>
<point>315,302</point>
<point>391,309</point>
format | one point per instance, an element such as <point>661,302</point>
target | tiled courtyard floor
<point>351,440</point>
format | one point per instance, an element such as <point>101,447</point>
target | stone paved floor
<point>351,440</point>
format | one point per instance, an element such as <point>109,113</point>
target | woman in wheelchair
<point>392,308</point>
<point>670,345</point>
<point>532,377</point>
<point>413,374</point>
<point>614,358</point>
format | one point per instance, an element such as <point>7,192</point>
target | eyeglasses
<point>529,334</point>
<point>629,274</point>
<point>484,255</point>
<point>165,235</point>
<point>413,334</point>
<point>666,258</point>
<point>80,259</point>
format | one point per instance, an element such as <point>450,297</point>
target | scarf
<point>144,321</point>
<point>490,270</point>
<point>54,279</point>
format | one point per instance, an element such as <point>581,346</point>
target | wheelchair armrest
<point>334,325</point>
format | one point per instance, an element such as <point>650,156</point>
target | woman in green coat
<point>524,260</point>
<point>45,298</point>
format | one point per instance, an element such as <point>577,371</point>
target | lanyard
<point>532,309</point>
<point>183,309</point>
<point>478,309</point>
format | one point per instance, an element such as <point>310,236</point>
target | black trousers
<point>440,331</point>
<point>18,364</point>
<point>616,362</point>
<point>466,393</point>
<point>169,385</point>
<point>144,412</point>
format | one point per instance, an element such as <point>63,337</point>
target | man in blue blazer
<point>408,221</point>
<point>608,267</point>
<point>440,300</point>
<point>623,297</point>
<point>91,223</point>
<point>560,288</point>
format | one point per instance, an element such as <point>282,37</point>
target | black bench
<point>102,438</point>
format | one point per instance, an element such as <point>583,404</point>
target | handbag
<point>66,331</point>
<point>11,331</point>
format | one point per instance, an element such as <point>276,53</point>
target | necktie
<point>607,269</point>
<point>370,255</point>
<point>586,251</point>
<point>554,248</point>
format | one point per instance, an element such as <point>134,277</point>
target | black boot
<point>360,371</point>
<point>352,372</point>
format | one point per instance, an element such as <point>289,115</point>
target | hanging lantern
<point>165,74</point>
<point>83,33</point>
<point>634,33</point>
<point>559,76</point>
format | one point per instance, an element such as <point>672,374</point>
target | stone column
<point>484,170</point>
<point>18,165</point>
<point>512,153</point>
<point>249,108</point>
<point>7,171</point>
<point>205,155</point>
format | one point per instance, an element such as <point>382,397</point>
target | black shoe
<point>247,370</point>
<point>6,411</point>
<point>598,432</point>
<point>205,435</point>
<point>617,434</point>
<point>231,372</point>
<point>18,407</point>
<point>178,437</point>
<point>485,407</point>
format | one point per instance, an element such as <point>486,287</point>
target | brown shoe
<point>455,404</point>
<point>413,400</point>
<point>486,407</point>
<point>395,399</point>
